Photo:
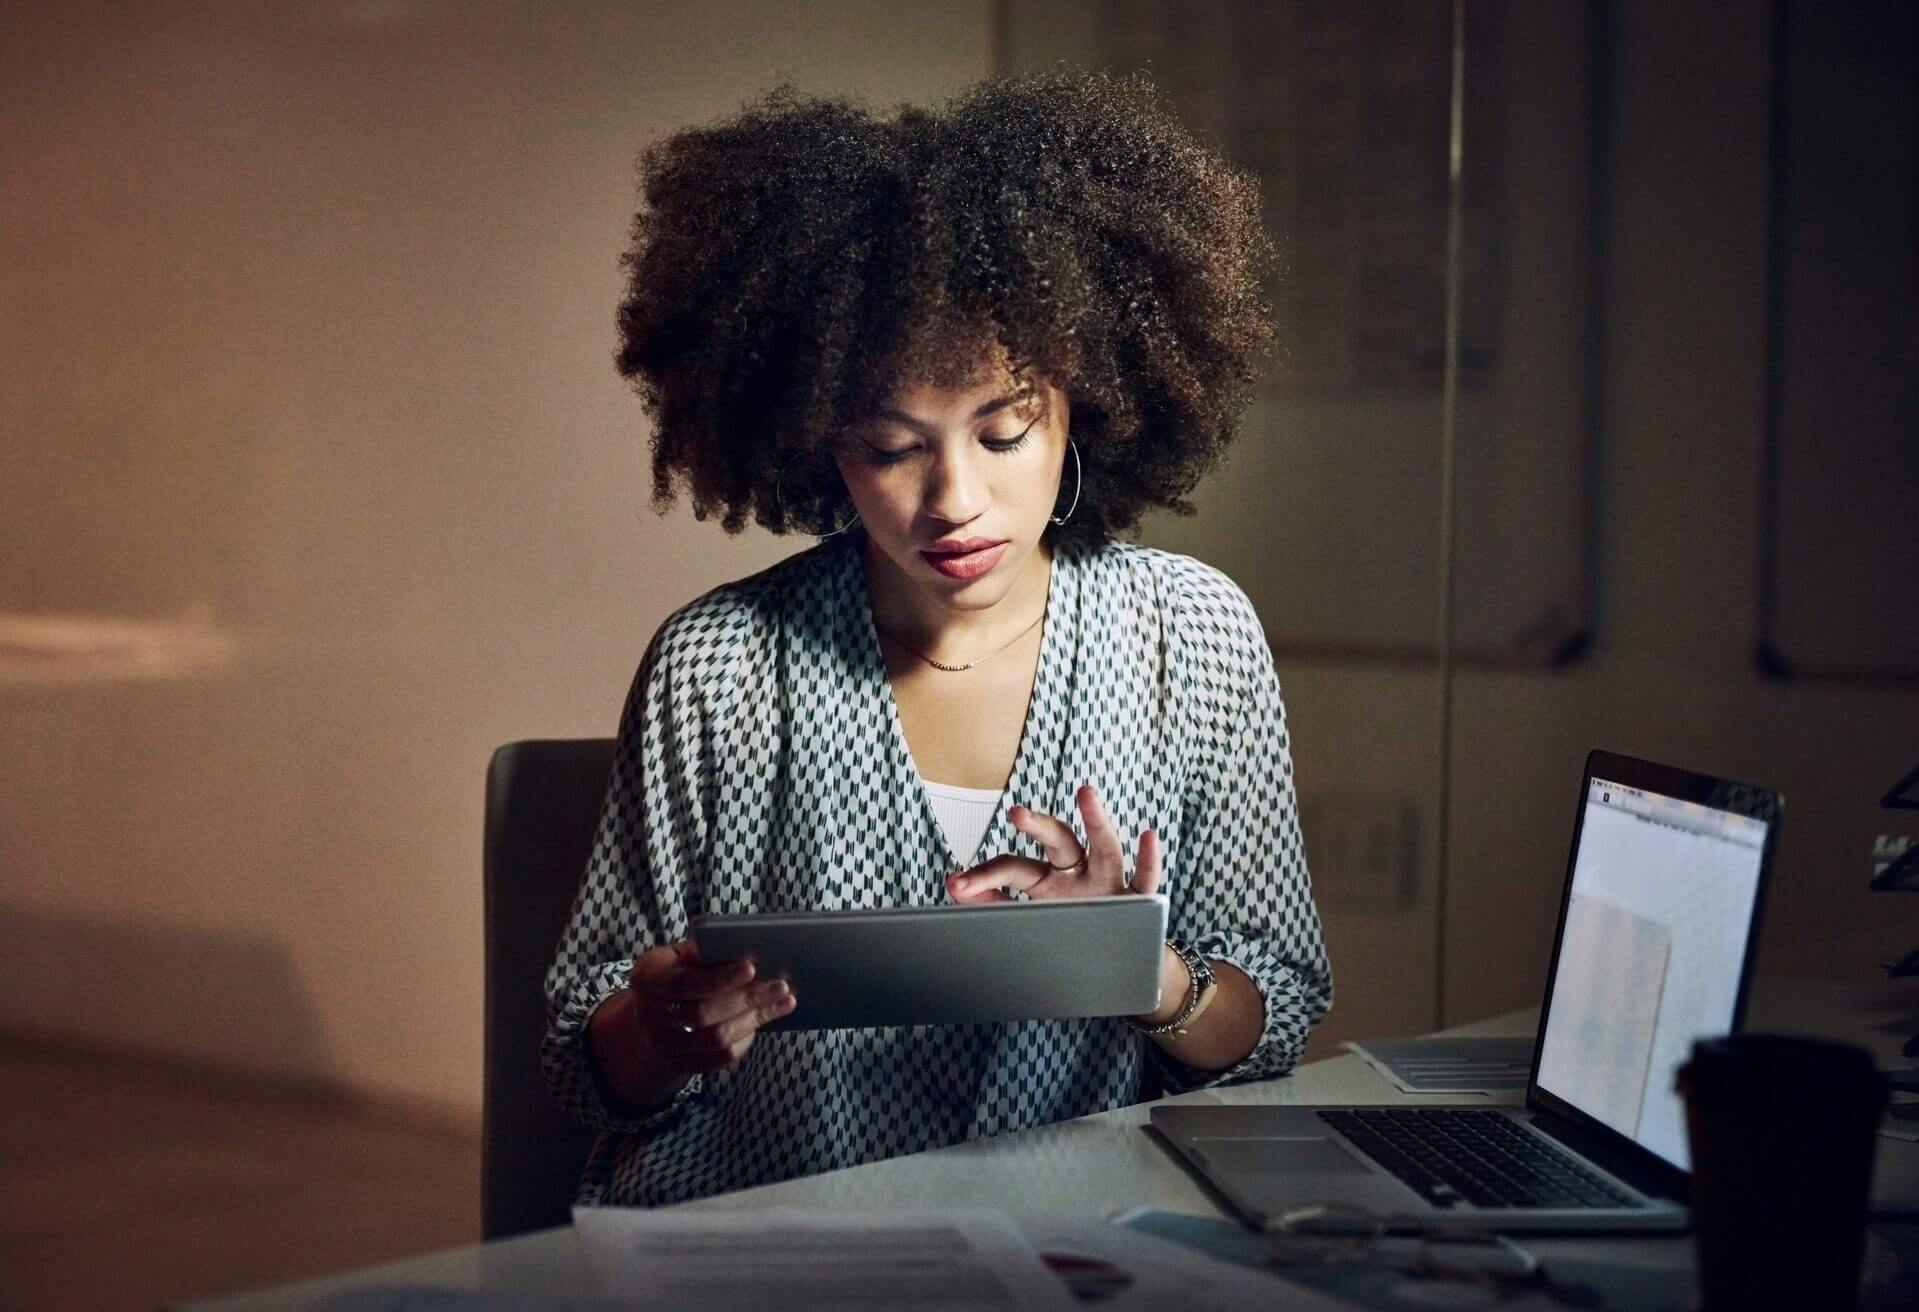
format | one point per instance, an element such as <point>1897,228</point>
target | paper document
<point>1611,974</point>
<point>1450,1065</point>
<point>433,1298</point>
<point>785,1259</point>
<point>1120,1269</point>
<point>1597,1281</point>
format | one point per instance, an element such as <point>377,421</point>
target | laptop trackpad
<point>1302,1156</point>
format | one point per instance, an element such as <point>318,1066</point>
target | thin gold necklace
<point>955,669</point>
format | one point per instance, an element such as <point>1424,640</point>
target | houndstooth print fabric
<point>760,766</point>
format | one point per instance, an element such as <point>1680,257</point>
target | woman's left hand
<point>1096,870</point>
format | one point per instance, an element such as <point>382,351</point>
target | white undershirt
<point>964,814</point>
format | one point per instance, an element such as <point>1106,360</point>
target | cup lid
<point>1778,1065</point>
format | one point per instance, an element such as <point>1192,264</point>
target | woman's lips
<point>965,565</point>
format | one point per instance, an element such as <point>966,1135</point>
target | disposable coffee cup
<point>1781,1133</point>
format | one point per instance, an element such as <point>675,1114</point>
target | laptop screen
<point>1662,902</point>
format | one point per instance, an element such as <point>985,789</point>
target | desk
<point>1086,1168</point>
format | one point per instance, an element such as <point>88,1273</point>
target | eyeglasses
<point>1335,1234</point>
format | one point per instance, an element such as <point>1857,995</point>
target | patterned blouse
<point>765,705</point>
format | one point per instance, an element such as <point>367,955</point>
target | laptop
<point>1654,947</point>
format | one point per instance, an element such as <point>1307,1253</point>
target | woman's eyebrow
<point>905,420</point>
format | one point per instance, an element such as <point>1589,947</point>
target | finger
<point>1051,833</point>
<point>682,1046</point>
<point>1146,872</point>
<point>721,1047</point>
<point>1018,873</point>
<point>685,981</point>
<point>1007,870</point>
<point>657,963</point>
<point>965,886</point>
<point>714,1010</point>
<point>1103,852</point>
<point>731,1057</point>
<point>748,1022</point>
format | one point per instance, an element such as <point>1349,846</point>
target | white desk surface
<point>1092,1167</point>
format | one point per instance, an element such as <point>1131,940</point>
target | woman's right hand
<point>696,1017</point>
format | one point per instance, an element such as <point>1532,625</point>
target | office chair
<point>542,805</point>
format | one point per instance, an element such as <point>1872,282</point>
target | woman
<point>966,348</point>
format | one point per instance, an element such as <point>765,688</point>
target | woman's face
<point>954,487</point>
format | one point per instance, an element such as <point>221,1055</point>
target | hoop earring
<point>1078,479</point>
<point>844,524</point>
<point>786,516</point>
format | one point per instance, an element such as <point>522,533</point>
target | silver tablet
<point>1064,957</point>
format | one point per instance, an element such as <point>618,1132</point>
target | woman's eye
<point>882,456</point>
<point>1005,444</point>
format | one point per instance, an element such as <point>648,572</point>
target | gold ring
<point>1067,870</point>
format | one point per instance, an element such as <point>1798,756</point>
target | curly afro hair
<point>791,265</point>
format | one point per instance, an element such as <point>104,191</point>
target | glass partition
<point>1434,239</point>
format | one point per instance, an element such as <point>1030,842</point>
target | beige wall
<point>310,321</point>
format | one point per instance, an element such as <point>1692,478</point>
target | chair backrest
<point>543,803</point>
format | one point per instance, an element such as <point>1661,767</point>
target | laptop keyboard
<point>1479,1157</point>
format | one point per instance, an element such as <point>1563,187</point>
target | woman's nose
<point>955,490</point>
